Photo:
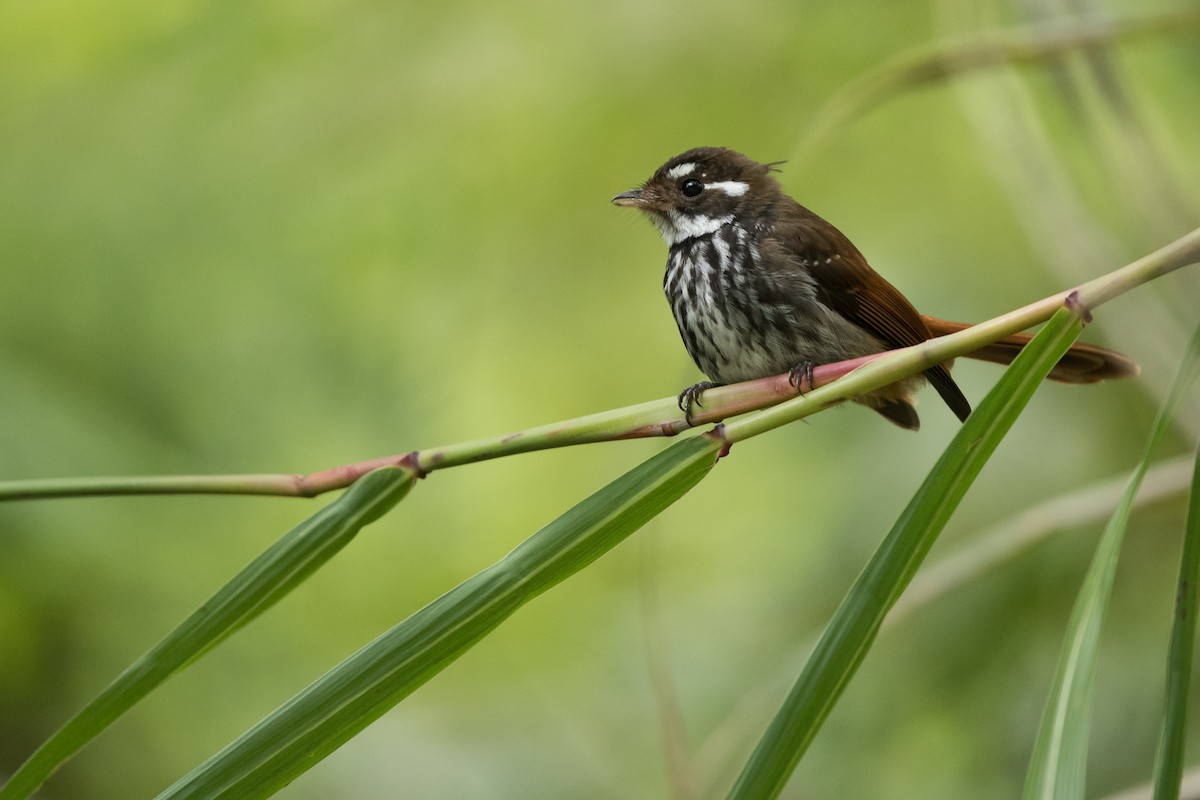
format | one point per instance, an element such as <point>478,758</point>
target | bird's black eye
<point>691,187</point>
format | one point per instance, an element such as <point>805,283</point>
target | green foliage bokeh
<point>279,237</point>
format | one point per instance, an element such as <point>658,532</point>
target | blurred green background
<point>284,236</point>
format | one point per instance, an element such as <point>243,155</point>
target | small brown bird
<point>760,285</point>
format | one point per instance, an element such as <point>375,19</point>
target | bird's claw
<point>800,375</point>
<point>691,397</point>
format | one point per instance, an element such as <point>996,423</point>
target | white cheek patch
<point>679,170</point>
<point>682,227</point>
<point>731,188</point>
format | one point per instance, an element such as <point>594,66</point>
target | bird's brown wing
<point>847,284</point>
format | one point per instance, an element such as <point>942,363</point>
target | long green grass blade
<point>264,581</point>
<point>333,709</point>
<point>1168,767</point>
<point>1057,769</point>
<point>853,628</point>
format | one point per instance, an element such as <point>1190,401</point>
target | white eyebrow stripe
<point>731,188</point>
<point>679,170</point>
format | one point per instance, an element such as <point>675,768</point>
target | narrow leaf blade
<point>1168,766</point>
<point>853,628</point>
<point>269,577</point>
<point>332,710</point>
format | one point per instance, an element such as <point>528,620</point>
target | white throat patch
<point>681,227</point>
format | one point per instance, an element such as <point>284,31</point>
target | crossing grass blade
<point>264,581</point>
<point>317,721</point>
<point>852,630</point>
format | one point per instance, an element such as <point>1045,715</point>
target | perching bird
<point>760,285</point>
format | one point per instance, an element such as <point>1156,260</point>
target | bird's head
<point>697,192</point>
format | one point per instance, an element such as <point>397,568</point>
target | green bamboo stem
<point>831,384</point>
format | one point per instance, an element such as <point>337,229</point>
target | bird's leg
<point>691,397</point>
<point>800,374</point>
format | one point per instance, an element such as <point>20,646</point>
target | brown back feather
<point>847,284</point>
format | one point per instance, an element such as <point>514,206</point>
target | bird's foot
<point>801,375</point>
<point>690,397</point>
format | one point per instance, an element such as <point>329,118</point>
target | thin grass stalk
<point>659,417</point>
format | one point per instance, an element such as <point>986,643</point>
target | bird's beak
<point>632,198</point>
